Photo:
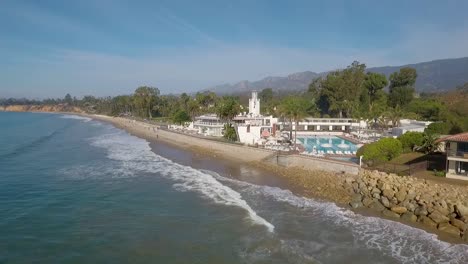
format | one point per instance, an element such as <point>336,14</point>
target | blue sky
<point>50,48</point>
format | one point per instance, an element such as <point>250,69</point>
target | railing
<point>208,123</point>
<point>456,153</point>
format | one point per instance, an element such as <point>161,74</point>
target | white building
<point>407,125</point>
<point>252,129</point>
<point>254,105</point>
<point>251,126</point>
<point>324,125</point>
<point>208,125</point>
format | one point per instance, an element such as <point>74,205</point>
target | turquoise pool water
<point>327,143</point>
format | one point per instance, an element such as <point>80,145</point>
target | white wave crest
<point>402,242</point>
<point>85,119</point>
<point>135,154</point>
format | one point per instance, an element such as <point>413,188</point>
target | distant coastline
<point>42,108</point>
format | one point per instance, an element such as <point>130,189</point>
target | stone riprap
<point>436,205</point>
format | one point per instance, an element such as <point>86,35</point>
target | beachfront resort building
<point>251,126</point>
<point>456,149</point>
<point>327,126</point>
<point>208,125</point>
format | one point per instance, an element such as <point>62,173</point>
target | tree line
<point>347,93</point>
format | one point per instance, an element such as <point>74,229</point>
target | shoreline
<point>315,184</point>
<point>309,183</point>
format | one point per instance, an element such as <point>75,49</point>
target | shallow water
<point>73,190</point>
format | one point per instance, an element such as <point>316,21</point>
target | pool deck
<point>352,140</point>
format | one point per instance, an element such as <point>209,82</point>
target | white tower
<point>254,105</point>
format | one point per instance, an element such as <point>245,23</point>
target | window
<point>462,146</point>
<point>461,168</point>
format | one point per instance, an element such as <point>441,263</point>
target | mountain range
<point>433,76</point>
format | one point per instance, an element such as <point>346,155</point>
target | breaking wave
<point>134,155</point>
<point>83,118</point>
<point>402,242</point>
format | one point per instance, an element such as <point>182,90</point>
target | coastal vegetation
<point>351,92</point>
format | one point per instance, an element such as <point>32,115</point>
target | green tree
<point>395,114</point>
<point>373,99</point>
<point>429,143</point>
<point>180,117</point>
<point>68,99</point>
<point>410,140</point>
<point>341,89</point>
<point>295,108</point>
<point>229,132</point>
<point>227,108</point>
<point>266,95</point>
<point>438,128</point>
<point>402,86</point>
<point>380,151</point>
<point>145,98</point>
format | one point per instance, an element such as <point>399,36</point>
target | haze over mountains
<point>433,76</point>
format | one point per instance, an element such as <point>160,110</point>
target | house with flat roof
<point>456,149</point>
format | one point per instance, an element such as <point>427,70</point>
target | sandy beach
<point>316,184</point>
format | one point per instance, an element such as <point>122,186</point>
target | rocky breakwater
<point>436,205</point>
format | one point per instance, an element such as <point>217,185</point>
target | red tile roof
<point>462,137</point>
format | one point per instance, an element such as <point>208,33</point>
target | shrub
<point>383,150</point>
<point>438,128</point>
<point>229,132</point>
<point>410,139</point>
<point>439,173</point>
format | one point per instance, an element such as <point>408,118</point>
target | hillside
<point>433,76</point>
<point>40,108</point>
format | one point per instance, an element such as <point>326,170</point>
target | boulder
<point>356,198</point>
<point>399,209</point>
<point>385,201</point>
<point>376,196</point>
<point>376,205</point>
<point>401,195</point>
<point>408,216</point>
<point>461,210</point>
<point>376,190</point>
<point>391,214</point>
<point>465,236</point>
<point>442,210</point>
<point>355,204</point>
<point>367,201</point>
<point>420,211</point>
<point>458,223</point>
<point>411,195</point>
<point>389,193</point>
<point>427,221</point>
<point>437,217</point>
<point>448,228</point>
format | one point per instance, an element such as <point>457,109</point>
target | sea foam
<point>135,155</point>
<point>402,242</point>
<point>83,118</point>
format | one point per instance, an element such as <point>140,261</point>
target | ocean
<point>75,190</point>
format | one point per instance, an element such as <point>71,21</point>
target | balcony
<point>457,154</point>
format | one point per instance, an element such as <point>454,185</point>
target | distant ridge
<point>433,76</point>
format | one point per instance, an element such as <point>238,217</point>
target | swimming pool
<point>327,144</point>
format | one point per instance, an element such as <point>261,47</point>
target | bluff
<point>41,108</point>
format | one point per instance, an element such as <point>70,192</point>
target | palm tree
<point>395,114</point>
<point>429,143</point>
<point>228,108</point>
<point>295,108</point>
